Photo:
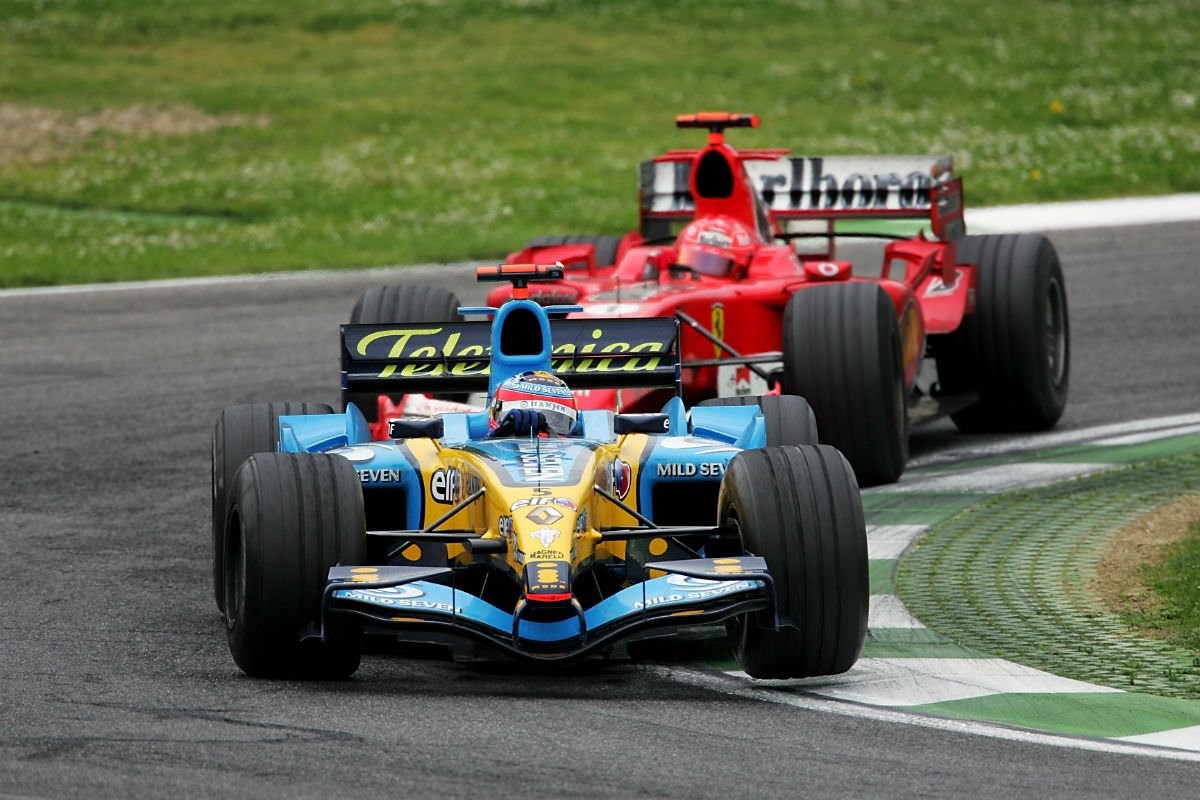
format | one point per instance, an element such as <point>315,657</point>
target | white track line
<point>739,688</point>
<point>417,272</point>
<point>1081,214</point>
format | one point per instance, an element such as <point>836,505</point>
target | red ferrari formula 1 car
<point>740,245</point>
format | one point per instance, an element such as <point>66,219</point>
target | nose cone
<point>544,527</point>
<point>545,535</point>
<point>548,581</point>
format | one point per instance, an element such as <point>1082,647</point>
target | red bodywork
<point>782,199</point>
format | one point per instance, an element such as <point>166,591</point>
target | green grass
<point>1175,580</point>
<point>188,137</point>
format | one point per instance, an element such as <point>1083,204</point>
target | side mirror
<point>416,428</point>
<point>642,423</point>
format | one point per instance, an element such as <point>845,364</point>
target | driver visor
<point>705,261</point>
<point>559,417</point>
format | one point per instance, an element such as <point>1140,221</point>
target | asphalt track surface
<point>115,680</point>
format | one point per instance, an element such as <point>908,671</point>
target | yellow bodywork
<point>554,519</point>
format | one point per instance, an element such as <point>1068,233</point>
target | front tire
<point>800,509</point>
<point>841,351</point>
<point>293,516</point>
<point>240,432</point>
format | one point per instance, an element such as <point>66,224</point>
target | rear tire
<point>240,432</point>
<point>841,351</point>
<point>800,509</point>
<point>292,517</point>
<point>789,419</point>
<point>399,305</point>
<point>1014,351</point>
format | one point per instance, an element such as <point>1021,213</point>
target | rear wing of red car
<point>456,356</point>
<point>817,188</point>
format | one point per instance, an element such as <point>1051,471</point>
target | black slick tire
<point>398,305</point>
<point>240,432</point>
<point>800,509</point>
<point>292,517</point>
<point>1014,351</point>
<point>841,351</point>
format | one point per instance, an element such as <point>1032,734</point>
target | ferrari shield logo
<point>718,326</point>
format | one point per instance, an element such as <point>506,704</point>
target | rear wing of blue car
<point>454,357</point>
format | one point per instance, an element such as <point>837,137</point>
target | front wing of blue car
<point>676,593</point>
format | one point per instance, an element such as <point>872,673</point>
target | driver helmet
<point>540,391</point>
<point>715,246</point>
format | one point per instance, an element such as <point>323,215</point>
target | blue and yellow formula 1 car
<point>544,549</point>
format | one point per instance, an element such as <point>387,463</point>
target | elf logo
<point>445,485</point>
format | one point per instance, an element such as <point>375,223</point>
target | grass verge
<point>143,140</point>
<point>1175,580</point>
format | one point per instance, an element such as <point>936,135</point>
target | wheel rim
<point>1055,333</point>
<point>234,575</point>
<point>739,626</point>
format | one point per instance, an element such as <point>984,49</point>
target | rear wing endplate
<point>455,357</point>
